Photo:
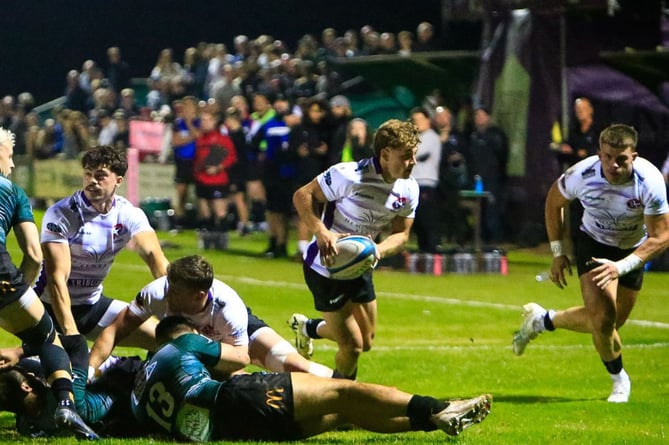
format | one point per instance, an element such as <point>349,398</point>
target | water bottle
<point>543,277</point>
<point>478,184</point>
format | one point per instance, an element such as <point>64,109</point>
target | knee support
<point>34,337</point>
<point>39,340</point>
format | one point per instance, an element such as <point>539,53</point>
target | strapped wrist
<point>556,248</point>
<point>628,264</point>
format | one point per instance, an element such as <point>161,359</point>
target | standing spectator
<point>186,130</point>
<point>426,172</point>
<point>279,176</point>
<point>581,142</point>
<point>76,98</point>
<point>118,70</point>
<point>357,198</point>
<point>106,128</point>
<point>452,176</point>
<point>489,151</point>
<point>195,73</point>
<point>339,117</point>
<point>262,114</point>
<point>121,139</point>
<point>225,88</point>
<point>232,127</point>
<point>21,312</point>
<point>129,103</point>
<point>310,141</point>
<point>76,136</point>
<point>387,43</point>
<point>424,38</point>
<point>87,75</point>
<point>214,156</point>
<point>625,224</point>
<point>583,135</point>
<point>405,43</point>
<point>357,144</point>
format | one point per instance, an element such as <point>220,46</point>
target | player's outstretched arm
<point>400,228</point>
<point>125,323</point>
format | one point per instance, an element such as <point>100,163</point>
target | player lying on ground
<point>175,394</point>
<point>103,403</point>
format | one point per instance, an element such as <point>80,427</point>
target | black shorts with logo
<point>256,407</point>
<point>587,248</point>
<point>331,295</point>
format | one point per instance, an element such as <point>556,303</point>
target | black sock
<point>420,411</point>
<point>548,323</point>
<point>62,389</point>
<point>615,365</point>
<point>312,327</point>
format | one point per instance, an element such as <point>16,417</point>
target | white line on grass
<point>412,297</point>
<point>403,296</point>
<point>488,347</point>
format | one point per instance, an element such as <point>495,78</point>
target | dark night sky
<point>41,41</point>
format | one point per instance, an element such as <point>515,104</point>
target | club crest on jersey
<point>399,203</point>
<point>119,230</point>
<point>634,203</point>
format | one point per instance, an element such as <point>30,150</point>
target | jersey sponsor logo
<point>83,282</point>
<point>615,228</point>
<point>274,398</point>
<point>593,198</point>
<point>634,203</point>
<point>328,178</point>
<point>53,227</point>
<point>588,173</point>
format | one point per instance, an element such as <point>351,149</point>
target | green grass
<point>450,336</point>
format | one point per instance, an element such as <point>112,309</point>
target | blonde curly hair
<point>395,133</point>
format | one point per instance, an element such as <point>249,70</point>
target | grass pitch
<point>450,336</point>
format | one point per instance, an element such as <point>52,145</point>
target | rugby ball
<point>357,255</point>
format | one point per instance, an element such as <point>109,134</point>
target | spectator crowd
<point>249,124</point>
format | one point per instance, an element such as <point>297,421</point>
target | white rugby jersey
<point>224,318</point>
<point>360,202</point>
<point>94,240</point>
<point>614,213</point>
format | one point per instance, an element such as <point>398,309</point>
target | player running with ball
<point>357,198</point>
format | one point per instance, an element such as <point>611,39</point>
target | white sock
<point>621,376</point>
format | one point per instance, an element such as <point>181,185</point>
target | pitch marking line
<point>411,297</point>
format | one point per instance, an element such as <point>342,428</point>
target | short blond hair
<point>394,134</point>
<point>7,136</point>
<point>619,136</point>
